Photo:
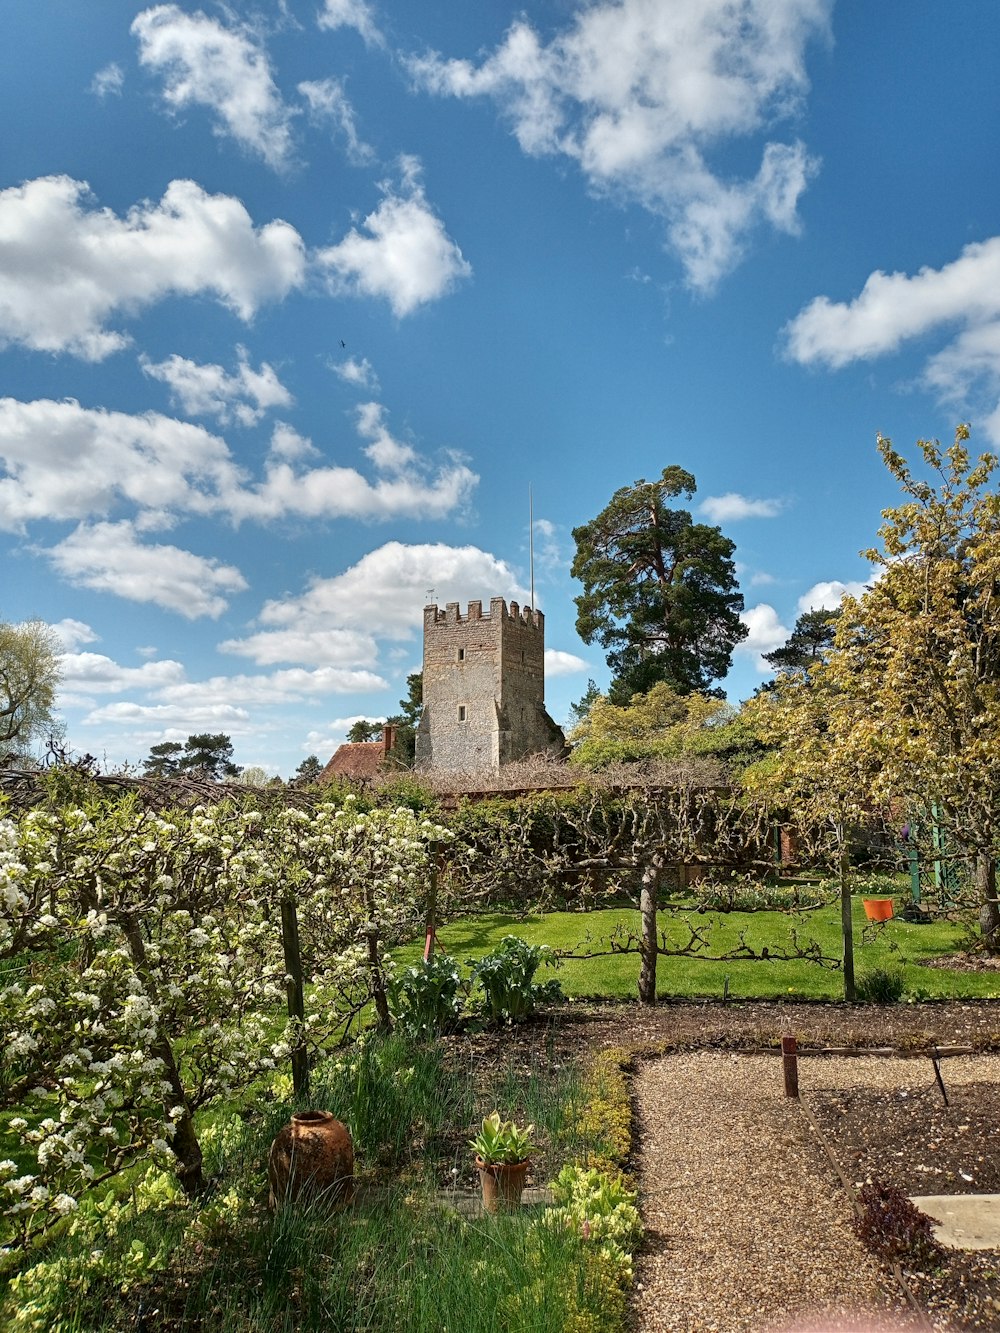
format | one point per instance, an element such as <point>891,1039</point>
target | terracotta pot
<point>502,1182</point>
<point>312,1159</point>
<point>878,909</point>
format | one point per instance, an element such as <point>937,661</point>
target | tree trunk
<point>986,896</point>
<point>847,926</point>
<point>295,995</point>
<point>184,1143</point>
<point>648,943</point>
<point>377,981</point>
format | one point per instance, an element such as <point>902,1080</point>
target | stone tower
<point>484,688</point>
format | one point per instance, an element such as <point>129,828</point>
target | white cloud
<point>93,673</point>
<point>402,255</point>
<point>549,553</point>
<point>206,63</point>
<point>216,717</point>
<point>64,461</point>
<point>208,390</point>
<point>387,453</point>
<point>359,373</point>
<point>759,579</point>
<point>731,506</point>
<point>288,444</point>
<point>66,266</point>
<point>172,708</point>
<point>828,595</point>
<point>310,645</point>
<point>355,14</point>
<point>291,685</point>
<point>382,596</point>
<point>637,92</point>
<point>328,104</point>
<point>109,558</point>
<point>72,633</point>
<point>765,632</point>
<point>108,81</point>
<point>342,492</point>
<point>558,663</point>
<point>895,307</point>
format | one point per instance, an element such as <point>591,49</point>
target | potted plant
<point>503,1152</point>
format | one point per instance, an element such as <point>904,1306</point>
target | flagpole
<point>531,546</point>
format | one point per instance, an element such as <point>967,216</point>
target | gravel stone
<point>748,1226</point>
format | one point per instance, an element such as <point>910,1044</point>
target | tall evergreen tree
<point>810,642</point>
<point>660,590</point>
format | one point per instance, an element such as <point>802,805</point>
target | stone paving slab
<point>963,1221</point>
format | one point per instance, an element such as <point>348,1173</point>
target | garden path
<point>748,1226</point>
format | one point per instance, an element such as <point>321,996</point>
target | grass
<point>399,1258</point>
<point>897,944</point>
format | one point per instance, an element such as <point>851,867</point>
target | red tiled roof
<point>355,759</point>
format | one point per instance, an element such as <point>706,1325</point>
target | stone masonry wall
<point>484,684</point>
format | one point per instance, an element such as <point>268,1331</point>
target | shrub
<point>606,1121</point>
<point>893,1226</point>
<point>424,999</point>
<point>748,895</point>
<point>506,978</point>
<point>881,985</point>
<point>599,1208</point>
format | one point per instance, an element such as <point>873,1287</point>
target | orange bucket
<point>878,909</point>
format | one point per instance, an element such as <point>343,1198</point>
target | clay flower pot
<point>878,909</point>
<point>312,1160</point>
<point>502,1182</point>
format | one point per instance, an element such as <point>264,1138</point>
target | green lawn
<point>896,943</point>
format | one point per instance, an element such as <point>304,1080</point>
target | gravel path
<point>748,1227</point>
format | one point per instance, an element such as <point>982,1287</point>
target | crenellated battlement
<point>484,687</point>
<point>498,613</point>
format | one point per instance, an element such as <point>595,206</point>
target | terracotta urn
<point>312,1160</point>
<point>502,1183</point>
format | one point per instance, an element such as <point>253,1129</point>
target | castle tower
<point>484,688</point>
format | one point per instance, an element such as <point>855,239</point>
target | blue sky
<point>298,299</point>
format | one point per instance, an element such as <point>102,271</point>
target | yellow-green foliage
<point>597,1300</point>
<point>591,1298</point>
<point>661,724</point>
<point>606,1118</point>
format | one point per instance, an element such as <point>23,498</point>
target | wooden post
<point>295,993</point>
<point>790,1064</point>
<point>429,921</point>
<point>989,908</point>
<point>847,925</point>
<point>649,944</point>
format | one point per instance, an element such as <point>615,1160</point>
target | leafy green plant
<point>881,985</point>
<point>598,1207</point>
<point>424,999</point>
<point>506,977</point>
<point>894,1227</point>
<point>502,1141</point>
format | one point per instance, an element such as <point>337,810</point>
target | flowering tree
<point>141,970</point>
<point>905,711</point>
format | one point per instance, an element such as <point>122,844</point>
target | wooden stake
<point>295,993</point>
<point>790,1064</point>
